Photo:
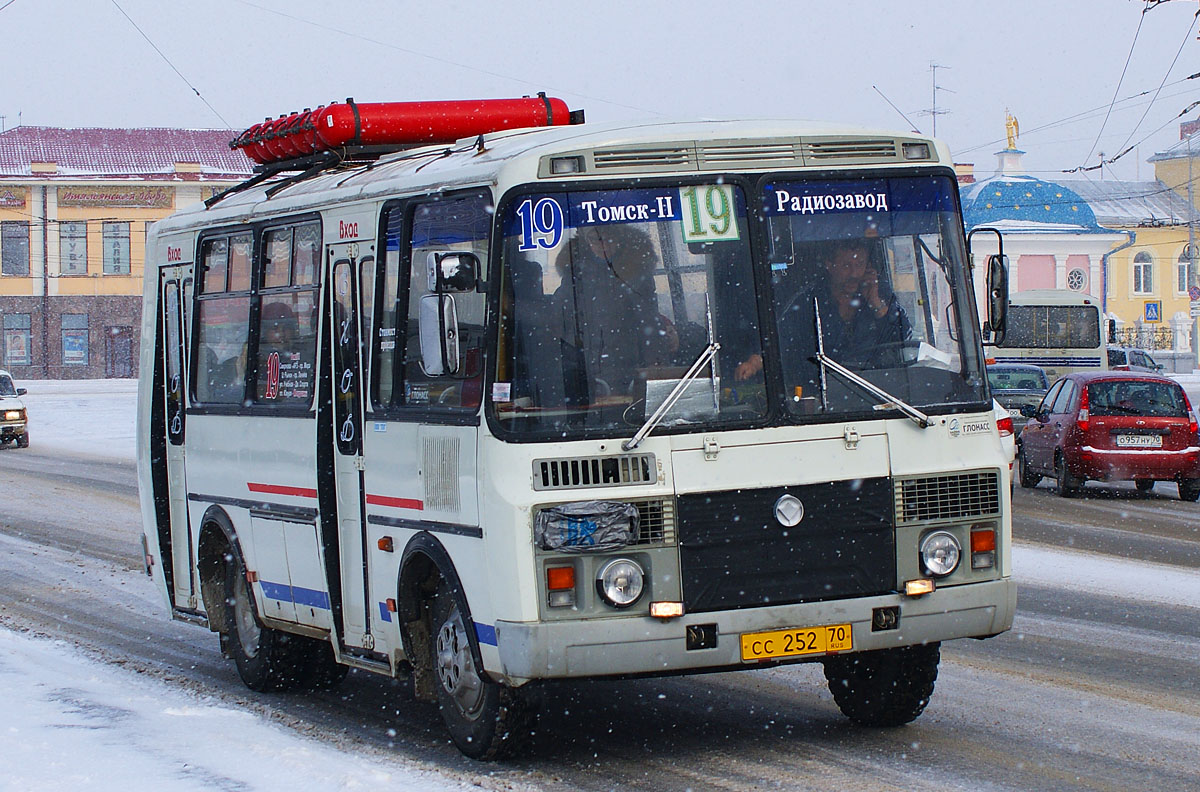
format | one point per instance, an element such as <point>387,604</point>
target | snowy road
<point>1095,687</point>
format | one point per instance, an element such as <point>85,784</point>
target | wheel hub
<point>249,633</point>
<point>455,665</point>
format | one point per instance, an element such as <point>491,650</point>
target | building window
<point>1181,273</point>
<point>1143,273</point>
<point>72,248</point>
<point>1077,279</point>
<point>74,339</point>
<point>116,248</point>
<point>17,340</point>
<point>14,247</point>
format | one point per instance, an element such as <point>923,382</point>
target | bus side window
<point>222,323</point>
<point>459,222</point>
<point>285,370</point>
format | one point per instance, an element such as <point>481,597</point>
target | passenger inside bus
<point>607,313</point>
<point>863,325</point>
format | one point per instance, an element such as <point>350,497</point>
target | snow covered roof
<point>1018,200</point>
<point>1182,150</point>
<point>1133,203</point>
<point>150,153</point>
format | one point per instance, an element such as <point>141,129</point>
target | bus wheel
<point>888,687</point>
<point>1029,479</point>
<point>266,659</point>
<point>486,720</point>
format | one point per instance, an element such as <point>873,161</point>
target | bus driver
<point>861,324</point>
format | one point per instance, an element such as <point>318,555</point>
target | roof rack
<point>312,141</point>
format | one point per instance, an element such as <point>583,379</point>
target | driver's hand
<point>748,368</point>
<point>869,291</point>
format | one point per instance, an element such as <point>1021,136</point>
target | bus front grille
<point>734,552</point>
<point>952,497</point>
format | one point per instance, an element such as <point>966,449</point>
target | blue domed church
<point>1051,236</point>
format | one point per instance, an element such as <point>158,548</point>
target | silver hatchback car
<point>14,424</point>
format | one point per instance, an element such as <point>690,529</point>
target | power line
<point>1117,90</point>
<point>168,62</point>
<point>457,64</point>
<point>1187,35</point>
<point>1083,115</point>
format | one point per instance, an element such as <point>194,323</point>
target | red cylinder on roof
<point>394,124</point>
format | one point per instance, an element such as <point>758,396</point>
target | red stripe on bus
<point>399,503</point>
<point>276,489</point>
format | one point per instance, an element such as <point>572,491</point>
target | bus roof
<point>609,150</point>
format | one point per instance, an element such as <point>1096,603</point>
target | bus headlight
<point>620,582</point>
<point>940,553</point>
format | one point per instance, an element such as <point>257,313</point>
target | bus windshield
<point>609,296</point>
<point>871,272</point>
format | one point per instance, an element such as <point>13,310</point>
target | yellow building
<point>75,205</point>
<point>1147,276</point>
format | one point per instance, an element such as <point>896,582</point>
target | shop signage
<point>134,197</point>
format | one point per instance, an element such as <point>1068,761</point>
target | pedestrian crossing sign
<point>1153,311</point>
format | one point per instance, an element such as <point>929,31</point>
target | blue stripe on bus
<point>486,634</point>
<point>296,594</point>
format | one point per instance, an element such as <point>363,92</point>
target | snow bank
<point>1105,575</point>
<point>87,726</point>
<point>90,417</point>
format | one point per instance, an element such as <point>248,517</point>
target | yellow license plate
<point>797,641</point>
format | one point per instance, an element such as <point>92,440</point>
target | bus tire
<point>886,687</point>
<point>486,720</point>
<point>1029,479</point>
<point>266,659</point>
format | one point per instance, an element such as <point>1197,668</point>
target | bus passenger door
<point>176,291</point>
<point>347,414</point>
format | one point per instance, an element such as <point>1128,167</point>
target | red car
<point>1111,426</point>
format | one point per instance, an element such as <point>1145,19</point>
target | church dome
<point>1026,201</point>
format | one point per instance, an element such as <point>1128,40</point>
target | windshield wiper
<point>921,419</point>
<point>708,354</point>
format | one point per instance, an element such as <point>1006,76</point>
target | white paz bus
<point>574,401</point>
<point>1057,329</point>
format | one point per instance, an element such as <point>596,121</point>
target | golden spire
<point>1011,128</point>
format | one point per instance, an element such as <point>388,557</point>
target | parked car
<point>1130,359</point>
<point>13,422</point>
<point>1111,426</point>
<point>1015,385</point>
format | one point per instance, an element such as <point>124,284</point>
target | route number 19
<point>708,214</point>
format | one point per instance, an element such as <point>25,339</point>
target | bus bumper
<point>642,645</point>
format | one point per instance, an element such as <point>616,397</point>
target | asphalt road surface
<point>1088,691</point>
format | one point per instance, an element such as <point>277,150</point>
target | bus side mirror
<point>452,272</point>
<point>997,307</point>
<point>439,335</point>
<point>1112,331</point>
